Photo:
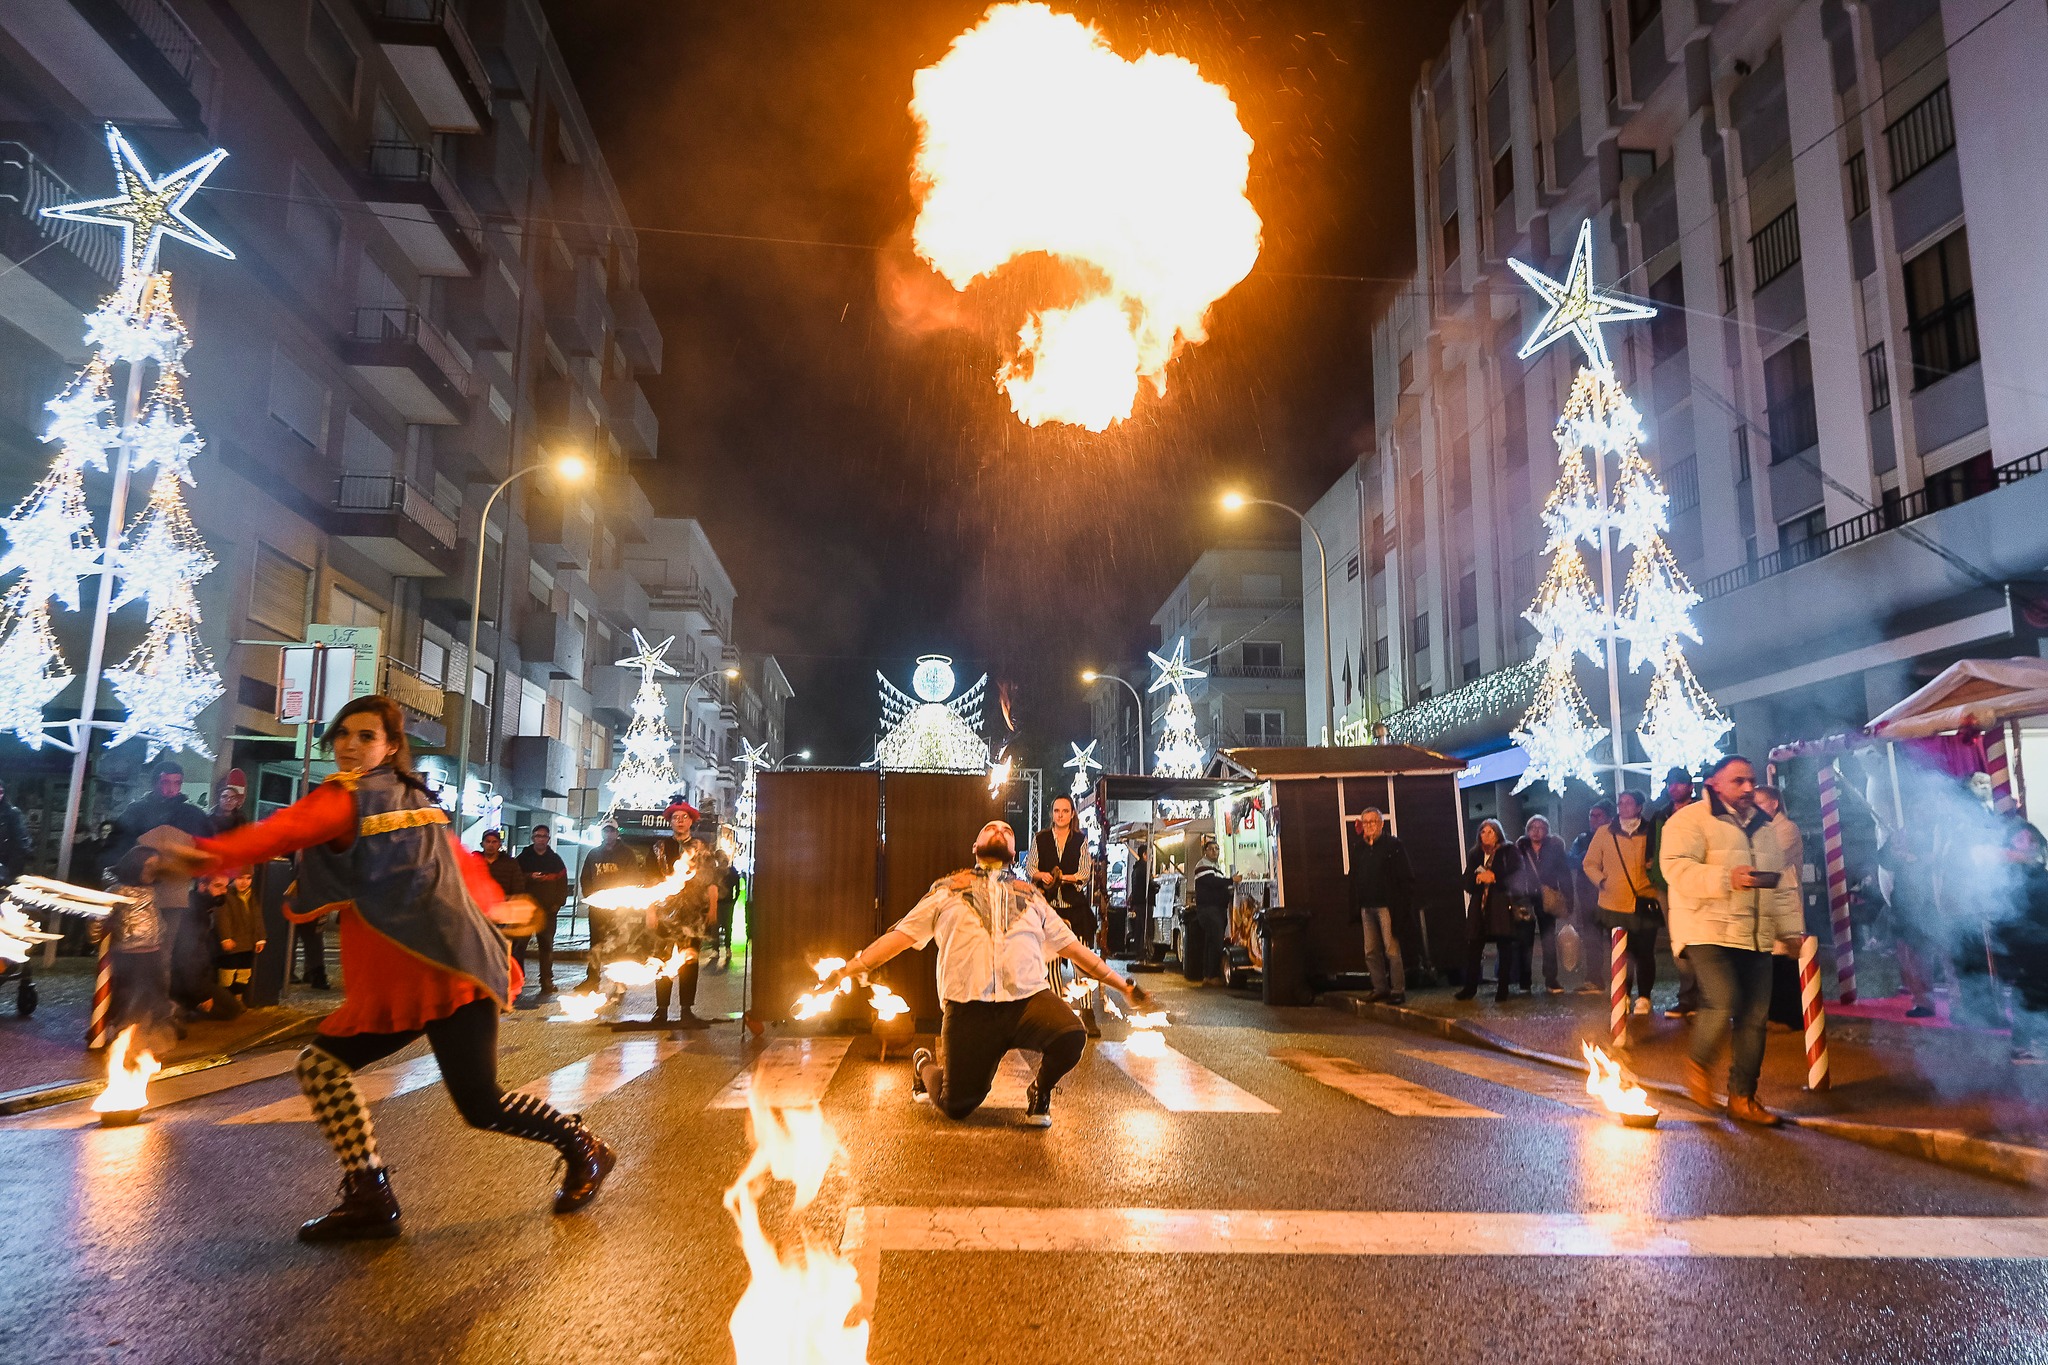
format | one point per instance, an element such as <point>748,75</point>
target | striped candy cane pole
<point>1617,989</point>
<point>1838,885</point>
<point>102,995</point>
<point>1816,1014</point>
<point>1999,765</point>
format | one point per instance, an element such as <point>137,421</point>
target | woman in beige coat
<point>1617,863</point>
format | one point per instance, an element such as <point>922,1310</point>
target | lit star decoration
<point>1180,751</point>
<point>753,758</point>
<point>159,557</point>
<point>1577,309</point>
<point>646,777</point>
<point>1080,791</point>
<point>1600,428</point>
<point>148,208</point>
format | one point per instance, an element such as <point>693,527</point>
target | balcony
<point>417,200</point>
<point>612,692</point>
<point>700,614</point>
<point>563,414</point>
<point>483,309</point>
<point>629,514</point>
<point>411,363</point>
<point>428,47</point>
<point>128,61</point>
<point>1283,672</point>
<point>395,524</point>
<point>632,418</point>
<point>637,331</point>
<point>538,763</point>
<point>479,724</point>
<point>478,450</point>
<point>578,316</point>
<point>620,597</point>
<point>560,536</point>
<point>423,702</point>
<point>550,649</point>
<point>79,262</point>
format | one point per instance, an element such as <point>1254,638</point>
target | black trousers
<point>684,984</point>
<point>312,940</point>
<point>976,1034</point>
<point>465,1046</point>
<point>1504,968</point>
<point>547,949</point>
<point>1201,943</point>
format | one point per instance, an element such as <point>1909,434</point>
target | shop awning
<point>1358,760</point>
<point>1973,694</point>
<point>1138,787</point>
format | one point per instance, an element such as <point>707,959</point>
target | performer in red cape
<point>419,955</point>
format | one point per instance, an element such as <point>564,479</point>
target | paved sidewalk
<point>1946,1085</point>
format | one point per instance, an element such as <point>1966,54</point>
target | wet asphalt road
<point>172,1241</point>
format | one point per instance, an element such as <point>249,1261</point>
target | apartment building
<point>436,287</point>
<point>690,597</point>
<point>1239,610</point>
<point>1809,193</point>
<point>763,694</point>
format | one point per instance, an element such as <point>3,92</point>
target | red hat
<point>675,806</point>
<point>234,781</point>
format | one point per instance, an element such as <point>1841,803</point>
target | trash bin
<point>1284,979</point>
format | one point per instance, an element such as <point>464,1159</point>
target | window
<point>1379,656</point>
<point>1858,169</point>
<point>277,599</point>
<point>1642,14</point>
<point>1265,728</point>
<point>314,223</point>
<point>1667,329</point>
<point>1351,569</point>
<point>1795,534</point>
<point>1878,376</point>
<point>1261,656</point>
<point>1775,247</point>
<point>533,709</point>
<point>298,400</point>
<point>1727,285</point>
<point>1450,240</point>
<point>333,55</point>
<point>433,661</point>
<point>1468,601</point>
<point>1788,398</point>
<point>1503,177</point>
<point>1941,309</point>
<point>257,694</point>
<point>344,608</point>
<point>363,451</point>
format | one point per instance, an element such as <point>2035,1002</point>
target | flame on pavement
<point>127,1078</point>
<point>1035,136</point>
<point>797,1307</point>
<point>1605,1083</point>
<point>582,1006</point>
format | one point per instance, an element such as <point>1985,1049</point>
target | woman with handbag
<point>1546,887</point>
<point>1492,868</point>
<point>1617,863</point>
<point>422,952</point>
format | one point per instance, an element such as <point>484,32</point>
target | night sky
<point>867,486</point>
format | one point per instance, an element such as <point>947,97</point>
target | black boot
<point>367,1209</point>
<point>589,1158</point>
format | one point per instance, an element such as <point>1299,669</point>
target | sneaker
<point>919,1060</point>
<point>1038,1107</point>
<point>1642,1005</point>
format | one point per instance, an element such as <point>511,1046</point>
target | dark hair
<point>1499,831</point>
<point>1063,797</point>
<point>1642,802</point>
<point>1766,789</point>
<point>1603,804</point>
<point>540,829</point>
<point>393,720</point>
<point>1716,768</point>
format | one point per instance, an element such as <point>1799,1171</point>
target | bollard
<point>1814,1012</point>
<point>1617,989</point>
<point>102,995</point>
<point>1837,874</point>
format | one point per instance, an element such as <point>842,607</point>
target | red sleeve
<point>476,875</point>
<point>324,815</point>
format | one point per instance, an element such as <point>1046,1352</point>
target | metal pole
<point>476,609</point>
<point>1609,631</point>
<point>1139,698</point>
<point>95,655</point>
<point>1323,561</point>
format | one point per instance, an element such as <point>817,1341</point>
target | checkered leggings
<point>343,1118</point>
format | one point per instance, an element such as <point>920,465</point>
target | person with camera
<point>1617,864</point>
<point>1732,899</point>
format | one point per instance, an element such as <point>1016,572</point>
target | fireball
<point>1035,136</point>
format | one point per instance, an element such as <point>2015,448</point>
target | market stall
<point>1150,825</point>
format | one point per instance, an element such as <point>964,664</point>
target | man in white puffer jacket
<point>1732,899</point>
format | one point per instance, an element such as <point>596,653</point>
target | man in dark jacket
<point>187,929</point>
<point>1678,794</point>
<point>1382,885</point>
<point>1586,901</point>
<point>547,881</point>
<point>683,919</point>
<point>15,847</point>
<point>611,863</point>
<point>502,866</point>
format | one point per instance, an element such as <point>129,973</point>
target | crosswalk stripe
<point>589,1079</point>
<point>1013,1078</point>
<point>1400,1097</point>
<point>790,1074</point>
<point>1530,1080</point>
<point>374,1085</point>
<point>1183,1084</point>
<point>191,1086</point>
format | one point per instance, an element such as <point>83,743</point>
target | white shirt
<point>995,935</point>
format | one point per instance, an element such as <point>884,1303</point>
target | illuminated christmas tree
<point>159,557</point>
<point>646,777</point>
<point>1180,749</point>
<point>1600,428</point>
<point>751,759</point>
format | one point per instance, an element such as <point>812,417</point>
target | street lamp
<point>569,469</point>
<point>729,674</point>
<point>1090,675</point>
<point>801,755</point>
<point>1235,501</point>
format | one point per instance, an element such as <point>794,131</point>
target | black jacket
<point>1490,905</point>
<point>15,848</point>
<point>611,865</point>
<point>1551,868</point>
<point>547,877</point>
<point>1380,872</point>
<point>146,813</point>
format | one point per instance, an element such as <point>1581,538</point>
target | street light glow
<point>1089,675</point>
<point>571,468</point>
<point>732,673</point>
<point>1233,501</point>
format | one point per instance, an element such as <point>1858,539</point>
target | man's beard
<point>993,851</point>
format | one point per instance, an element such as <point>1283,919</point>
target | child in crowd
<point>238,925</point>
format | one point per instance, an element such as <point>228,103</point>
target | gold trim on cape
<point>385,821</point>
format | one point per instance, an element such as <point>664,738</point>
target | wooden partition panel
<point>813,893</point>
<point>1431,830</point>
<point>929,823</point>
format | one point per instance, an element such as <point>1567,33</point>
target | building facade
<point>1807,192</point>
<point>436,286</point>
<point>1239,610</point>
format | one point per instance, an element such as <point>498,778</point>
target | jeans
<point>547,948</point>
<point>1642,948</point>
<point>1543,930</point>
<point>1383,951</point>
<point>1735,991</point>
<point>976,1034</point>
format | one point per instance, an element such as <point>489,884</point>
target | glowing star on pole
<point>646,776</point>
<point>753,758</point>
<point>1180,751</point>
<point>1035,138</point>
<point>1600,428</point>
<point>148,208</point>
